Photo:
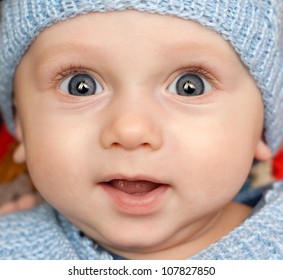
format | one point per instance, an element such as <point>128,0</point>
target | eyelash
<point>73,69</point>
<point>199,70</point>
<point>68,71</point>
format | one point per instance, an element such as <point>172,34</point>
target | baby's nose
<point>132,128</point>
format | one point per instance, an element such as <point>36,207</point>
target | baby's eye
<point>189,84</point>
<point>81,85</point>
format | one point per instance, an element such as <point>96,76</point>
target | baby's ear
<point>262,152</point>
<point>20,152</point>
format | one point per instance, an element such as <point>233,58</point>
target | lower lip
<point>136,204</point>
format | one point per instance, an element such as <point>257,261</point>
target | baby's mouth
<point>135,196</point>
<point>139,187</point>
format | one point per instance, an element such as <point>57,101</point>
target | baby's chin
<point>149,246</point>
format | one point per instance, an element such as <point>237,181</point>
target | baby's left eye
<point>189,84</point>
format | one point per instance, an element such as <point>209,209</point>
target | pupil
<point>83,87</point>
<point>189,87</point>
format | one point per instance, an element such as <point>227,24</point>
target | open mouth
<point>139,187</point>
<point>137,196</point>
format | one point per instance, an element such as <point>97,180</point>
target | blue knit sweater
<point>43,233</point>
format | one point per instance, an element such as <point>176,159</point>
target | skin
<point>137,126</point>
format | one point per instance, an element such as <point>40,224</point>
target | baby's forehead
<point>119,30</point>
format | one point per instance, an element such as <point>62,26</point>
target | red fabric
<point>278,165</point>
<point>6,140</point>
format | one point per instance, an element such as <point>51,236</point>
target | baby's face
<point>139,128</point>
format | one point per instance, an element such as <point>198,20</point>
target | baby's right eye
<point>81,85</point>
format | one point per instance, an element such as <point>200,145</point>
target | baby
<point>139,122</point>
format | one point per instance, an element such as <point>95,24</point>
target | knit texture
<point>254,28</point>
<point>43,233</point>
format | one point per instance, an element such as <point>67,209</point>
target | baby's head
<point>145,120</point>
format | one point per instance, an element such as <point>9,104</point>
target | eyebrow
<point>54,51</point>
<point>51,53</point>
<point>202,50</point>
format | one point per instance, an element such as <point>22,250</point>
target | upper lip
<point>132,179</point>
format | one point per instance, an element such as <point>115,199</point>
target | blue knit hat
<point>253,27</point>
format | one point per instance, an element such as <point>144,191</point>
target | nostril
<point>130,147</point>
